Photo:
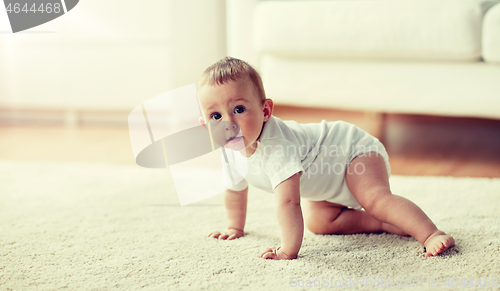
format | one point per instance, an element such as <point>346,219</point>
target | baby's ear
<point>268,109</point>
<point>202,121</point>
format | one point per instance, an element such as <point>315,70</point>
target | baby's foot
<point>437,243</point>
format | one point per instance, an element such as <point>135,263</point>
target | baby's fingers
<point>266,251</point>
<point>223,236</point>
<point>268,254</point>
<point>214,234</point>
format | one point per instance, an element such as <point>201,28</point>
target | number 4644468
<point>483,282</point>
<point>42,8</point>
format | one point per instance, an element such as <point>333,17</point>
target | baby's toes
<point>450,242</point>
<point>431,251</point>
<point>440,247</point>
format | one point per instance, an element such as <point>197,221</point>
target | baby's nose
<point>231,126</point>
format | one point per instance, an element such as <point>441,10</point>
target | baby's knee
<point>317,226</point>
<point>321,220</point>
<point>375,202</point>
<point>311,221</point>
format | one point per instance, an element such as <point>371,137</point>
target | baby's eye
<point>216,116</point>
<point>239,109</point>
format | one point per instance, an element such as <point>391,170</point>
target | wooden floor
<point>417,145</point>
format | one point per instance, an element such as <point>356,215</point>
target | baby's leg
<point>322,217</point>
<point>371,189</point>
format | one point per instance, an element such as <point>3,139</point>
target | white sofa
<point>433,57</point>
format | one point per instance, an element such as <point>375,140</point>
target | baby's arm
<point>236,210</point>
<point>290,219</point>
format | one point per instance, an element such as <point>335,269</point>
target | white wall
<point>109,55</point>
<point>240,31</point>
<point>199,37</point>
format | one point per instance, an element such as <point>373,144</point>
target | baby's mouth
<point>235,139</point>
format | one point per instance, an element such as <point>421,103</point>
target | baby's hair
<point>231,69</point>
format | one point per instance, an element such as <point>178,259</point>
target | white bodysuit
<point>321,151</point>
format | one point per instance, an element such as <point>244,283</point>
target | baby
<point>340,170</point>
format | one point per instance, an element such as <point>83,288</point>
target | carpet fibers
<point>107,227</point>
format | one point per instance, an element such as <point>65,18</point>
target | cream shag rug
<point>106,227</point>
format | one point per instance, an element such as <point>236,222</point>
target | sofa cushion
<point>491,35</point>
<point>439,88</point>
<point>387,29</point>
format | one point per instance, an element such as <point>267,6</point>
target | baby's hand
<point>228,234</point>
<point>275,254</point>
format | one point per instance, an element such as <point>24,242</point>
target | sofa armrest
<point>491,35</point>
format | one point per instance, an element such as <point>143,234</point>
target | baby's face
<point>236,114</point>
